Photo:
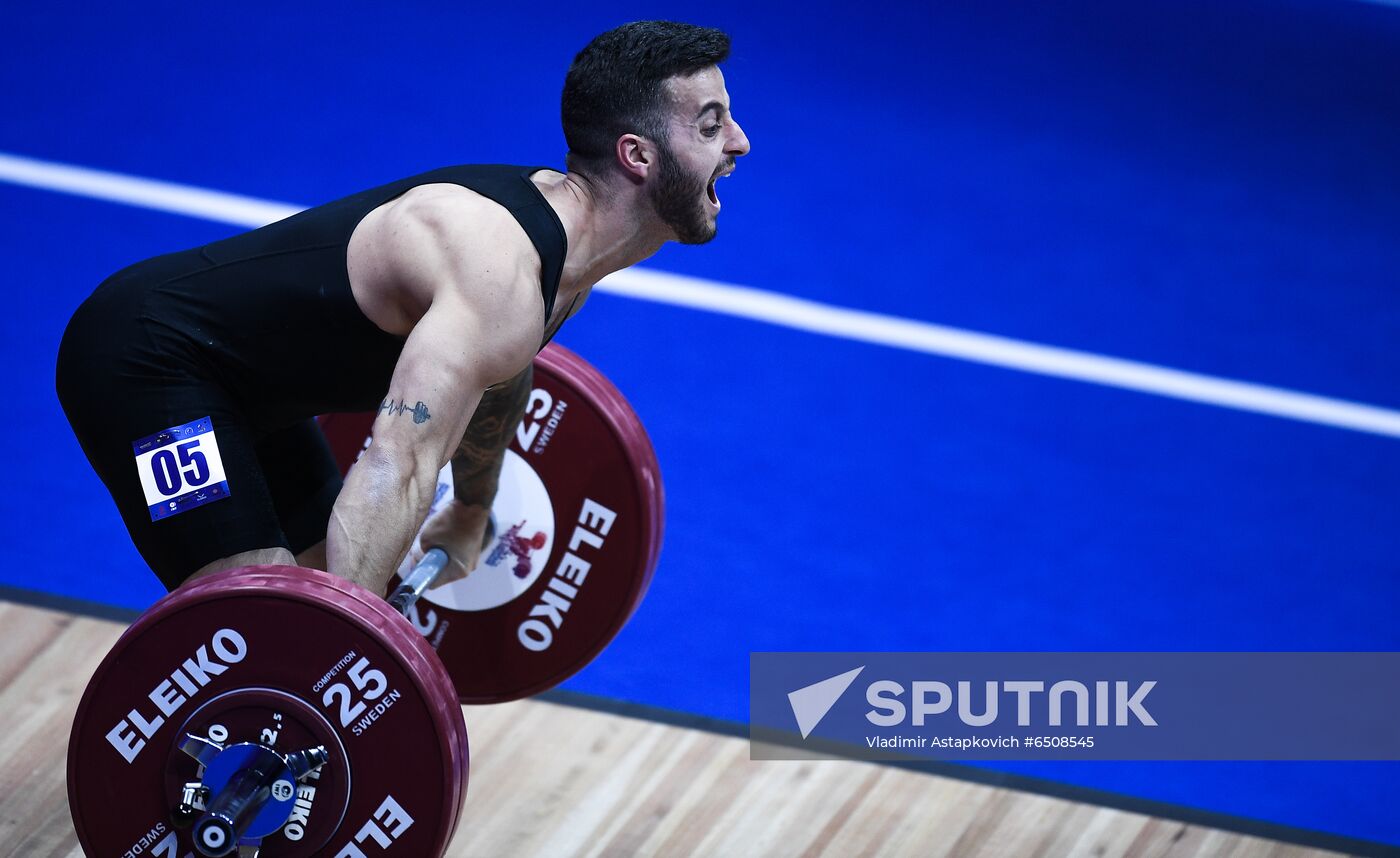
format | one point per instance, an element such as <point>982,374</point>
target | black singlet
<point>259,333</point>
<point>269,313</point>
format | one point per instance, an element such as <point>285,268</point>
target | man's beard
<point>679,200</point>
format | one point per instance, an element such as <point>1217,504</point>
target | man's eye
<point>712,130</point>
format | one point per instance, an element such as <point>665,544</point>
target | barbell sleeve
<point>420,579</point>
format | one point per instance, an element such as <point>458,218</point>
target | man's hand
<point>460,529</point>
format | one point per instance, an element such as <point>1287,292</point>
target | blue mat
<point>1210,187</point>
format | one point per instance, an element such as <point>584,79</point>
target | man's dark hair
<point>615,85</point>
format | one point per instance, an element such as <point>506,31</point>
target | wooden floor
<point>551,780</point>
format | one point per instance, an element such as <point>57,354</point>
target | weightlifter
<point>192,379</point>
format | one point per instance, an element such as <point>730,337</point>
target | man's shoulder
<point>447,240</point>
<point>450,208</point>
<point>458,227</point>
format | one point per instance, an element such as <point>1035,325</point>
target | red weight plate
<point>579,519</point>
<point>595,386</point>
<point>302,655</point>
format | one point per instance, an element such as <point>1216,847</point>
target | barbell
<point>281,711</point>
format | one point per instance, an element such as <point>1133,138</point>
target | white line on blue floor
<point>778,309</point>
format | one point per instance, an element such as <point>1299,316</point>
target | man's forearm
<point>476,465</point>
<point>386,496</point>
<point>376,516</point>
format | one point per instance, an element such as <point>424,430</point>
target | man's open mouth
<point>710,188</point>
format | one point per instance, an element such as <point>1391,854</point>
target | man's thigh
<point>180,464</point>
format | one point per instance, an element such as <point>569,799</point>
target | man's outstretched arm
<point>464,258</point>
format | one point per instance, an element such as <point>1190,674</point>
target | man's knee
<point>257,557</point>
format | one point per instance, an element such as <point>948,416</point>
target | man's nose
<point>738,141</point>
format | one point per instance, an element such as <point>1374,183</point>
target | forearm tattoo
<point>476,466</point>
<point>419,411</point>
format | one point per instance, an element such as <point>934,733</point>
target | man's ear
<point>636,155</point>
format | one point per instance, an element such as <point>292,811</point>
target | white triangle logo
<point>810,704</point>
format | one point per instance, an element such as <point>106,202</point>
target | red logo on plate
<point>511,542</point>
